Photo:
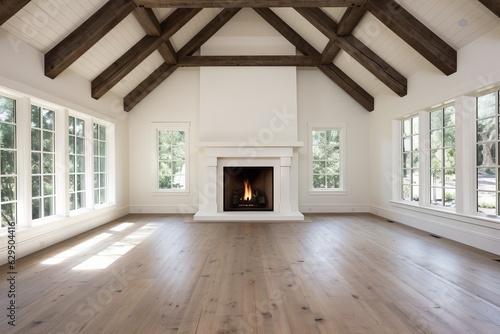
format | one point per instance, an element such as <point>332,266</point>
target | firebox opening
<point>248,189</point>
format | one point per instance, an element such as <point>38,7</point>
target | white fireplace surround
<point>283,159</point>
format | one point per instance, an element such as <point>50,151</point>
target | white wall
<point>177,99</point>
<point>21,70</point>
<point>477,68</point>
<point>321,101</point>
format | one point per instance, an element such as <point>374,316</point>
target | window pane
<point>449,198</point>
<point>48,206</point>
<point>486,154</point>
<point>319,167</point>
<point>8,135</point>
<point>8,189</point>
<point>486,130</point>
<point>486,179</point>
<point>35,117</point>
<point>48,119</point>
<point>48,163</point>
<point>48,185</point>
<point>437,177</point>
<point>102,133</point>
<point>449,116</point>
<point>486,105</point>
<point>486,202</point>
<point>36,159</point>
<point>449,137</point>
<point>406,128</point>
<point>36,208</point>
<point>80,127</point>
<point>437,139</point>
<point>319,181</point>
<point>436,119</point>
<point>8,162</point>
<point>48,141</point>
<point>36,186</point>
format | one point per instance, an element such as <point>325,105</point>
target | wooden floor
<point>332,274</point>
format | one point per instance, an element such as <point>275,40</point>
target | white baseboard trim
<point>312,208</point>
<point>457,229</point>
<point>166,209</point>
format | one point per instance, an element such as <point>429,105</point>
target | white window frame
<point>170,126</point>
<point>342,128</point>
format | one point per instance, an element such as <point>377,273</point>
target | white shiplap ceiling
<point>43,24</point>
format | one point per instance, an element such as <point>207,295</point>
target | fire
<point>248,191</point>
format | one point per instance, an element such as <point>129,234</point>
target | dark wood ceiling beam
<point>248,3</point>
<point>356,49</point>
<point>415,34</point>
<point>148,21</point>
<point>204,61</point>
<point>329,53</point>
<point>147,86</point>
<point>332,71</point>
<point>286,31</point>
<point>164,71</point>
<point>349,86</point>
<point>139,52</point>
<point>350,20</point>
<point>207,32</point>
<point>86,35</point>
<point>492,5</point>
<point>10,8</point>
<point>168,53</point>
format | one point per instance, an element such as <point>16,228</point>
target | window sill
<point>327,192</point>
<point>449,213</point>
<point>170,193</point>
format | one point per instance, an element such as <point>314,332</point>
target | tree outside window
<point>486,153</point>
<point>442,157</point>
<point>43,175</point>
<point>326,159</point>
<point>8,161</point>
<point>171,159</point>
<point>410,159</point>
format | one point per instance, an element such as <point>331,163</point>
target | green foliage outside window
<point>442,156</point>
<point>486,153</point>
<point>42,162</point>
<point>171,160</point>
<point>8,161</point>
<point>326,159</point>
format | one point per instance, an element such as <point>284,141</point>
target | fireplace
<point>269,169</point>
<point>248,188</point>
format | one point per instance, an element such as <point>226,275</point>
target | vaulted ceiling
<point>367,47</point>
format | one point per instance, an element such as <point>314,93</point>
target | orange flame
<point>248,191</point>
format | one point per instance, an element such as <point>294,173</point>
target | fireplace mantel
<point>282,156</point>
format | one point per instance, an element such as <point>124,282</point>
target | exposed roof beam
<point>164,71</point>
<point>329,53</point>
<point>86,35</point>
<point>207,32</point>
<point>291,35</point>
<point>248,3</point>
<point>348,85</point>
<point>148,21</point>
<point>140,51</point>
<point>10,8</point>
<point>147,86</point>
<point>350,20</point>
<point>201,61</point>
<point>356,49</point>
<point>492,5</point>
<point>168,53</point>
<point>416,34</point>
<point>332,71</point>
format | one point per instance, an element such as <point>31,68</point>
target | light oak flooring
<point>333,274</point>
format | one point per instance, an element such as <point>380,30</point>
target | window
<point>76,163</point>
<point>42,162</point>
<point>8,161</point>
<point>100,175</point>
<point>486,152</point>
<point>442,157</point>
<point>410,159</point>
<point>326,158</point>
<point>171,143</point>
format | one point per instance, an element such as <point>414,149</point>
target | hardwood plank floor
<point>353,273</point>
